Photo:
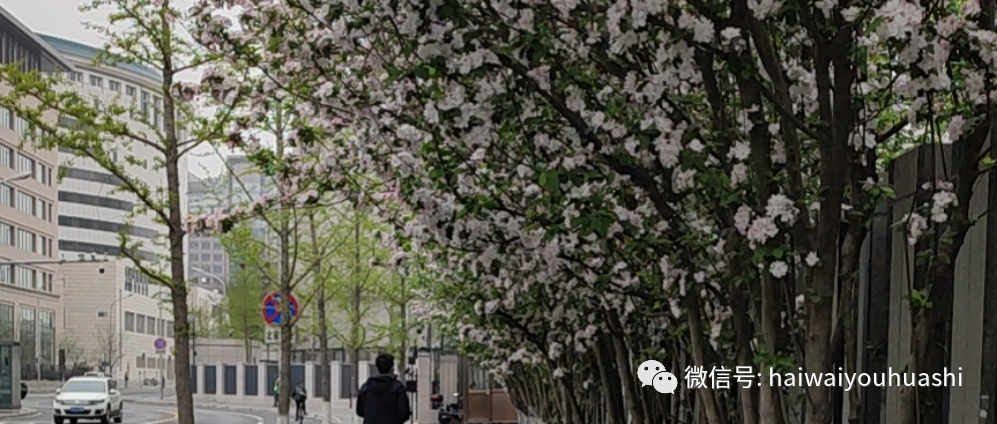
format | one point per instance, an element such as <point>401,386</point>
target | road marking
<point>165,420</point>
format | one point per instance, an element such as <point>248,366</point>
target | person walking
<point>276,391</point>
<point>383,399</point>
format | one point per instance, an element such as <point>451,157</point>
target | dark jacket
<point>383,400</point>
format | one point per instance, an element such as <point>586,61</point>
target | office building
<point>207,264</point>
<point>30,308</point>
<point>116,314</point>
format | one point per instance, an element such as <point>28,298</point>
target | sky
<point>62,19</point>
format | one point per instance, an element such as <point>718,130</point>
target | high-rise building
<point>119,313</point>
<point>207,262</point>
<point>241,183</point>
<point>30,309</point>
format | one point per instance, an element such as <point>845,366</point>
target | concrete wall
<point>242,393</point>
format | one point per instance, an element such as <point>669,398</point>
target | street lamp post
<point>110,330</point>
<point>208,274</point>
<point>18,177</point>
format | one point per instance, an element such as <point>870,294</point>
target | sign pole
<point>273,316</point>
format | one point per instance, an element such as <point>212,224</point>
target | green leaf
<point>550,181</point>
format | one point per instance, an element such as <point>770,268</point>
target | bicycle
<point>300,414</point>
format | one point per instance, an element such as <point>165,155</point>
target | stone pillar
<point>261,375</point>
<point>199,370</point>
<point>335,380</point>
<point>425,388</point>
<point>220,382</point>
<point>240,380</point>
<point>310,379</point>
<point>364,372</point>
<point>449,365</point>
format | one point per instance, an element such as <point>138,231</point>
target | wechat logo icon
<point>652,373</point>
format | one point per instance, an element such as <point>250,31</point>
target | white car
<point>88,398</point>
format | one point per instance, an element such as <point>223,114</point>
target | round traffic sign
<point>271,308</point>
<point>160,344</point>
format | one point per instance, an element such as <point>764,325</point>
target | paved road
<point>136,413</point>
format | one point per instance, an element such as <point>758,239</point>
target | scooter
<point>452,413</point>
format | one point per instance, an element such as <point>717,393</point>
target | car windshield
<point>83,387</point>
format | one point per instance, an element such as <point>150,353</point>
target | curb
<point>23,412</point>
<point>213,406</point>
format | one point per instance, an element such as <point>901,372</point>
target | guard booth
<point>485,400</point>
<point>10,375</point>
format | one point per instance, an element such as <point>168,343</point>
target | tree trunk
<point>847,315</point>
<point>323,326</point>
<point>285,274</point>
<point>286,328</point>
<point>630,387</point>
<point>185,401</point>
<point>748,402</point>
<point>355,309</point>
<point>247,340</point>
<point>707,394</point>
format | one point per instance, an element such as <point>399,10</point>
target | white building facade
<point>116,315</point>
<point>30,306</point>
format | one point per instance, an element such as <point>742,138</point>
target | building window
<point>217,269</point>
<point>157,107</point>
<point>145,104</point>
<point>114,85</point>
<point>76,76</point>
<point>169,328</point>
<point>43,174</point>
<point>130,91</point>
<point>6,321</point>
<point>6,156</point>
<point>136,282</point>
<point>129,321</point>
<point>140,324</point>
<point>26,203</point>
<point>6,118</point>
<point>25,240</point>
<point>6,195</point>
<point>46,281</point>
<point>42,210</point>
<point>25,164</point>
<point>47,343</point>
<point>27,336</point>
<point>20,126</point>
<point>6,234</point>
<point>96,81</point>
<point>6,275</point>
<point>26,278</point>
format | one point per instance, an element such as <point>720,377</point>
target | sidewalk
<point>23,412</point>
<point>169,400</point>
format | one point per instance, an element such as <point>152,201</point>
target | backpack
<point>301,394</point>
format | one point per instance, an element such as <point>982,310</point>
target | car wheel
<point>106,419</point>
<point>121,413</point>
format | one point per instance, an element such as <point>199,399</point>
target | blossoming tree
<point>599,182</point>
<point>150,34</point>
